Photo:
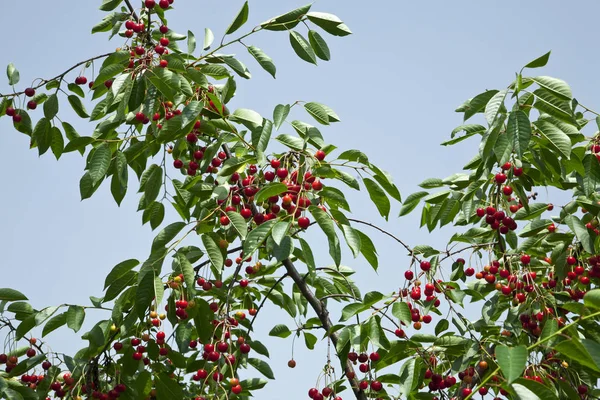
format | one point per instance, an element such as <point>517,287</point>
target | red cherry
<point>571,260</point>
<point>30,92</point>
<point>409,275</point>
<point>150,4</point>
<point>224,220</point>
<point>163,29</point>
<point>517,171</point>
<point>376,386</point>
<point>500,178</point>
<point>507,190</point>
<point>303,222</point>
<point>506,166</point>
<point>317,185</point>
<point>163,63</point>
<point>32,104</point>
<point>164,41</point>
<point>425,265</point>
<point>164,4</point>
<point>275,163</point>
<point>244,283</point>
<point>17,118</point>
<point>525,259</point>
<point>245,348</point>
<point>320,155</point>
<point>282,173</point>
<point>269,176</point>
<point>178,164</point>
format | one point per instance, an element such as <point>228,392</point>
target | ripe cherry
<point>320,155</point>
<point>237,389</point>
<point>32,104</point>
<point>275,163</point>
<point>525,259</point>
<point>245,348</point>
<point>507,190</point>
<point>30,92</point>
<point>282,173</point>
<point>303,222</point>
<point>164,41</point>
<point>178,164</point>
<point>150,4</point>
<point>517,171</point>
<point>163,29</point>
<point>500,178</point>
<point>425,265</point>
<point>164,4</point>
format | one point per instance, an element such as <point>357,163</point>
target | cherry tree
<point>179,324</point>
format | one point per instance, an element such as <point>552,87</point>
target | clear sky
<point>395,84</point>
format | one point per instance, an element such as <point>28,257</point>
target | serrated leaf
<point>75,316</point>
<point>281,331</point>
<point>512,361</point>
<point>539,62</point>
<point>280,114</point>
<point>411,202</point>
<point>558,140</point>
<point>269,190</point>
<point>317,112</point>
<point>378,197</point>
<point>263,60</point>
<point>319,45</point>
<point>519,127</point>
<point>326,224</point>
<point>401,311</point>
<point>78,106</point>
<point>239,20</point>
<point>100,163</point>
<point>213,251</point>
<point>251,117</point>
<point>257,236</point>
<point>302,47</point>
<point>51,106</point>
<point>167,234</point>
<point>119,271</point>
<point>262,367</point>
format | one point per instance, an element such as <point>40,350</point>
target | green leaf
<point>76,89</point>
<point>257,236</point>
<point>51,106</point>
<point>262,367</point>
<point>576,351</point>
<point>109,5</point>
<point>592,299</point>
<point>100,162</point>
<point>42,135</point>
<point>401,311</point>
<point>7,294</point>
<point>239,20</point>
<point>251,117</point>
<point>548,103</point>
<point>57,143</point>
<point>591,179</point>
<point>145,292</point>
<point>367,248</point>
<point>493,107</point>
<point>582,233</point>
<point>326,224</point>
<point>239,223</point>
<point>54,323</point>
<point>191,42</point>
<point>280,229</point>
<point>286,21</point>
<point>166,81</point>
<point>512,361</point>
<point>167,234</point>
<point>329,23</point>
<point>75,317</point>
<point>263,60</point>
<point>119,271</point>
<point>378,197</point>
<point>280,114</point>
<point>281,331</point>
<point>167,388</point>
<point>78,106</point>
<point>13,74</point>
<point>213,251</point>
<point>528,389</point>
<point>269,190</point>
<point>153,184</point>
<point>519,128</point>
<point>352,239</point>
<point>539,62</point>
<point>319,45</point>
<point>441,326</point>
<point>411,202</point>
<point>302,47</point>
<point>317,112</point>
<point>557,87</point>
<point>477,104</point>
<point>189,275</point>
<point>294,143</point>
<point>559,140</point>
<point>208,38</point>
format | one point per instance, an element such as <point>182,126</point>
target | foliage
<point>160,113</point>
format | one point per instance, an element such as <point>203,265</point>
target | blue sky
<point>395,84</point>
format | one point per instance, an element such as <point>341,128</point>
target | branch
<point>323,315</point>
<point>266,297</point>
<point>44,81</point>
<point>132,10</point>
<point>384,232</point>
